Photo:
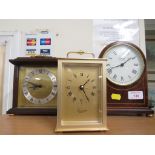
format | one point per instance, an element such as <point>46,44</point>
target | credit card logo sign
<point>31,42</point>
<point>30,51</point>
<point>44,51</point>
<point>45,41</point>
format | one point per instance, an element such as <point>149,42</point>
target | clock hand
<point>125,62</point>
<point>115,66</point>
<point>82,88</point>
<point>85,95</point>
<point>31,83</point>
<point>122,64</point>
<point>35,87</point>
<point>34,84</point>
<point>86,82</point>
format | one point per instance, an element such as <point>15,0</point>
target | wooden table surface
<point>45,125</point>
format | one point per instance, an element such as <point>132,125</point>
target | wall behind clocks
<point>67,34</point>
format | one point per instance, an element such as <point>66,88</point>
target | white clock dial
<point>125,64</point>
<point>40,86</point>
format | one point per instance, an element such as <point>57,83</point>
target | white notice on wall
<point>135,95</point>
<point>106,31</point>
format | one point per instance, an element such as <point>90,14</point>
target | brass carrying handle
<point>80,52</point>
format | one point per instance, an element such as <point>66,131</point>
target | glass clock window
<point>125,64</point>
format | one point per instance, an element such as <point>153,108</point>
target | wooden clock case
<point>32,62</point>
<point>126,106</point>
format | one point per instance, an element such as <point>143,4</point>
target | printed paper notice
<point>108,31</point>
<point>135,95</point>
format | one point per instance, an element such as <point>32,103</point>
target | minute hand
<point>115,66</point>
<point>86,82</point>
<point>122,64</point>
<point>125,62</point>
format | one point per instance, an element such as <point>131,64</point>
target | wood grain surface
<point>45,125</point>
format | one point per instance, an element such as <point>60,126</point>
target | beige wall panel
<point>2,53</point>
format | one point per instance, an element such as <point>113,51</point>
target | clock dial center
<point>81,87</point>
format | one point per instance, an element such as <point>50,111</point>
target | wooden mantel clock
<point>127,90</point>
<point>35,85</point>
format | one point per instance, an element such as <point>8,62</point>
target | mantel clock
<point>127,92</point>
<point>35,85</point>
<point>82,95</point>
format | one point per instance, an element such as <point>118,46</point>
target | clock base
<point>131,112</point>
<point>30,111</point>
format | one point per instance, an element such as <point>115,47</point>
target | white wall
<point>73,35</point>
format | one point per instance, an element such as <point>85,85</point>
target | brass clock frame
<point>67,120</point>
<point>22,67</point>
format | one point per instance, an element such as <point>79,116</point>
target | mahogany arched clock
<point>127,90</point>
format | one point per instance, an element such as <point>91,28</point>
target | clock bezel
<point>61,126</point>
<point>39,61</point>
<point>28,95</point>
<point>126,43</point>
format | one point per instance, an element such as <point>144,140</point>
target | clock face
<point>40,86</point>
<point>81,88</point>
<point>125,64</point>
<point>37,87</point>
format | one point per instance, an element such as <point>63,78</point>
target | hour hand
<point>35,87</point>
<point>82,88</point>
<point>34,84</point>
<point>86,95</point>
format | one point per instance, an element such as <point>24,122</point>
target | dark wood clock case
<point>126,106</point>
<point>29,61</point>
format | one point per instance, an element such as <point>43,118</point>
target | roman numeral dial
<point>125,64</point>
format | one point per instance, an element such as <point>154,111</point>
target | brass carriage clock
<point>81,95</point>
<point>127,92</point>
<point>35,85</point>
